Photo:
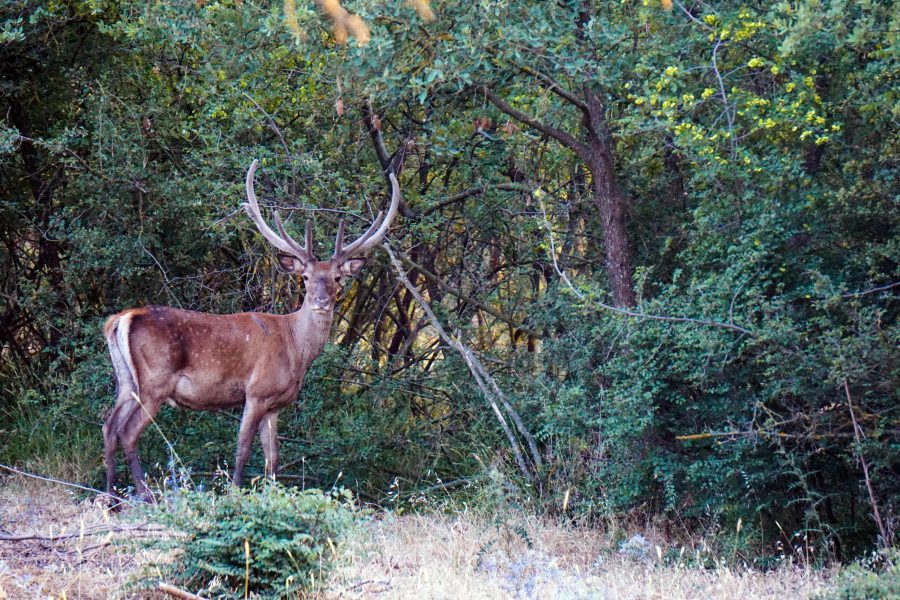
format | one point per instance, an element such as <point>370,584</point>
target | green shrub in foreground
<point>291,537</point>
<point>875,579</point>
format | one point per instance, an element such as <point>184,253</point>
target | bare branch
<point>562,137</point>
<point>474,192</point>
<point>554,86</point>
<point>175,592</point>
<point>59,481</point>
<point>390,163</point>
<point>858,434</point>
<point>451,290</point>
<point>728,113</point>
<point>271,121</point>
<point>871,291</point>
<point>471,361</point>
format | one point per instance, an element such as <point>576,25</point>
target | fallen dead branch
<point>177,592</point>
<point>91,531</point>
<point>66,483</point>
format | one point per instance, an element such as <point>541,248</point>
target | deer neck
<point>310,330</point>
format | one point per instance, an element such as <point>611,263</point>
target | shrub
<point>874,579</point>
<point>276,541</point>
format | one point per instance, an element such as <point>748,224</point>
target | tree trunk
<point>613,209</point>
<point>608,197</point>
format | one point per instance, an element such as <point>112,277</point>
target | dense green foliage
<point>269,540</point>
<point>752,149</point>
<point>877,578</point>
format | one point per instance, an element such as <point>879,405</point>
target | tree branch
<point>512,187</point>
<point>624,311</point>
<point>175,592</point>
<point>478,372</point>
<point>560,136</point>
<point>554,86</point>
<point>858,434</point>
<point>387,161</point>
<point>451,290</point>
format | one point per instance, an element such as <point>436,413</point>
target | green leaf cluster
<point>270,540</point>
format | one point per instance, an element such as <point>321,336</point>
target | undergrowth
<point>271,540</point>
<point>874,578</point>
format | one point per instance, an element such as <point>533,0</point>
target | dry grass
<point>463,556</point>
<point>83,566</point>
<point>427,556</point>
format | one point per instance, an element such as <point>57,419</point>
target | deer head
<point>322,279</point>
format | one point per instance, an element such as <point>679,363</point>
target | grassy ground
<point>422,556</point>
<point>463,556</point>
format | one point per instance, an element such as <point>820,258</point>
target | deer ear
<point>351,267</point>
<point>290,264</point>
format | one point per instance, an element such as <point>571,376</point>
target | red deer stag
<point>209,362</point>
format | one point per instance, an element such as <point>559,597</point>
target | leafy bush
<point>272,540</point>
<point>872,579</point>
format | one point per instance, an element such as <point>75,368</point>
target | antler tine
<point>339,241</point>
<point>297,248</point>
<point>376,232</point>
<point>347,250</point>
<point>285,243</point>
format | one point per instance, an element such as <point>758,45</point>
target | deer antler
<point>374,234</point>
<point>283,242</point>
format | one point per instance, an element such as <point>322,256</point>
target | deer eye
<point>338,278</point>
<point>305,277</point>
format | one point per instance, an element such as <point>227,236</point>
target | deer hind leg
<point>140,415</point>
<point>268,435</point>
<point>111,429</point>
<point>119,415</point>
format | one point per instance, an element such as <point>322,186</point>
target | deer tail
<point>116,331</point>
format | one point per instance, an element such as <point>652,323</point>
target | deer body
<point>204,361</point>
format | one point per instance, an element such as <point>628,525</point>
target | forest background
<point>668,236</point>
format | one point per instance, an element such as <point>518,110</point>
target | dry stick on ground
<point>178,593</point>
<point>624,311</point>
<point>858,434</point>
<point>79,534</point>
<point>68,483</point>
<point>471,361</point>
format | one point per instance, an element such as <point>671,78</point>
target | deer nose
<point>322,302</point>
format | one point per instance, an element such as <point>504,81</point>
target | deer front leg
<point>268,435</point>
<point>249,426</point>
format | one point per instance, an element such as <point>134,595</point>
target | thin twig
<point>166,280</point>
<point>555,87</point>
<point>728,114</point>
<point>67,483</point>
<point>871,291</point>
<point>271,121</point>
<point>478,191</point>
<point>480,305</point>
<point>858,435</point>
